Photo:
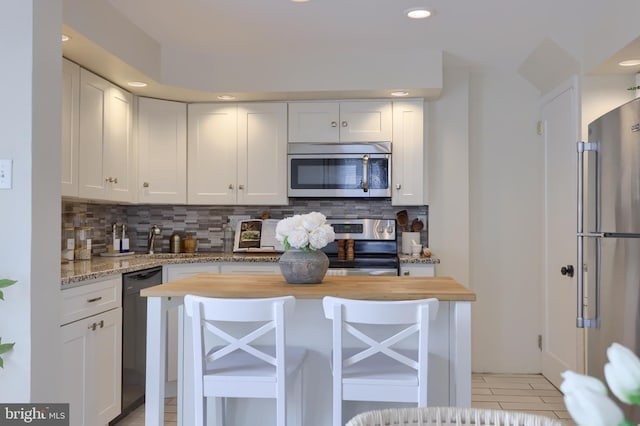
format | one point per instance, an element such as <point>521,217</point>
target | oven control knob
<point>380,229</point>
<point>390,229</point>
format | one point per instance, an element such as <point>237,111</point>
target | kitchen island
<point>450,339</point>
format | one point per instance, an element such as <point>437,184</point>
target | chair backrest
<point>449,416</point>
<point>416,314</point>
<point>270,313</point>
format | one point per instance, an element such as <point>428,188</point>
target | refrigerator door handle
<point>582,322</point>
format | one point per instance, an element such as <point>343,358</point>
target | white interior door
<point>560,121</point>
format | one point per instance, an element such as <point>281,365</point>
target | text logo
<point>34,414</point>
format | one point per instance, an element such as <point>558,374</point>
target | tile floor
<point>531,393</point>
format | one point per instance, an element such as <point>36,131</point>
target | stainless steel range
<point>363,247</point>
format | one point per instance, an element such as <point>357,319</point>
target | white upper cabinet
<point>162,151</point>
<point>333,122</point>
<point>70,128</point>
<point>105,147</point>
<point>237,154</point>
<point>262,154</point>
<point>409,162</point>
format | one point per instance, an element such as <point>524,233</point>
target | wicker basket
<point>449,416</point>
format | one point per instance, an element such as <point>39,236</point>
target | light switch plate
<point>5,174</point>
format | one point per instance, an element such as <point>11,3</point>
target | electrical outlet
<point>5,174</point>
<point>234,219</point>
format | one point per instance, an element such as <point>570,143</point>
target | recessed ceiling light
<point>418,13</point>
<point>137,84</point>
<point>400,93</point>
<point>65,37</point>
<point>226,97</point>
<point>630,63</point>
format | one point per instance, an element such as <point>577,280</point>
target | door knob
<point>567,270</point>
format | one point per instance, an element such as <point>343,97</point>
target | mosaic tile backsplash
<point>205,223</point>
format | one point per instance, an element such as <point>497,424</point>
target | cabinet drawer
<point>90,299</point>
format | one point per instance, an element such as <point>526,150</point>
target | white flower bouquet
<point>306,232</point>
<point>586,397</point>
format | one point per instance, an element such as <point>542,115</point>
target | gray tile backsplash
<point>205,222</point>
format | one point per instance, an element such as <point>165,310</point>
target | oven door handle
<point>365,173</point>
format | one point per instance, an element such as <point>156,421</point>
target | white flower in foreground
<point>623,373</point>
<point>308,231</point>
<point>591,408</point>
<point>574,381</point>
<point>321,236</point>
<point>313,220</point>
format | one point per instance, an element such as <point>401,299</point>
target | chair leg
<point>281,410</point>
<point>297,401</point>
<point>337,403</point>
<point>219,411</point>
<point>199,411</point>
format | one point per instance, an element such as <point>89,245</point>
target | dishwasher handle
<point>145,275</point>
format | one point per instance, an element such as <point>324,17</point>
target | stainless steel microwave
<point>339,170</point>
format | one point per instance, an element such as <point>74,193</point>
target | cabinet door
<point>365,122</point>
<point>92,367</point>
<point>118,153</point>
<point>262,154</point>
<point>314,122</point>
<point>162,151</point>
<point>427,270</point>
<point>70,127</point>
<point>408,168</point>
<point>75,355</point>
<point>212,154</point>
<point>171,273</point>
<point>106,384</point>
<point>250,268</point>
<point>93,98</point>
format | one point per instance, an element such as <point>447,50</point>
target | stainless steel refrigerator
<point>609,235</point>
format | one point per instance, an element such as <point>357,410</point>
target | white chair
<point>240,367</point>
<point>379,371</point>
<point>449,416</point>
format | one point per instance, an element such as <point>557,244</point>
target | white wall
<point>447,135</point>
<point>30,211</point>
<point>506,227</point>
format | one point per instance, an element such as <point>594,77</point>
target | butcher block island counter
<point>349,287</point>
<point>449,340</point>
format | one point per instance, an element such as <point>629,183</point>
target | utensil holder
<point>408,238</point>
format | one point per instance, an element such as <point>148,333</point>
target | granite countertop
<point>73,273</point>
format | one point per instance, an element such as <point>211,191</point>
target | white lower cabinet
<point>92,351</point>
<point>250,268</point>
<point>175,272</point>
<point>422,270</point>
<point>171,273</point>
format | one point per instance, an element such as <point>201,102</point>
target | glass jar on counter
<point>68,243</point>
<point>82,243</point>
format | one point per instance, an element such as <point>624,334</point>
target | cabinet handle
<point>101,323</point>
<point>115,180</point>
<point>345,124</point>
<point>406,273</point>
<point>93,327</point>
<point>334,124</point>
<point>230,186</point>
<point>95,299</point>
<point>398,186</point>
<point>108,179</point>
<point>240,186</point>
<point>145,185</point>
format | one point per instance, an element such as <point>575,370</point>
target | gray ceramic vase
<point>303,267</point>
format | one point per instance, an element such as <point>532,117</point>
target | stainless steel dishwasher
<point>134,336</point>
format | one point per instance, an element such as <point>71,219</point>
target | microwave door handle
<point>365,173</point>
